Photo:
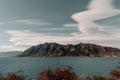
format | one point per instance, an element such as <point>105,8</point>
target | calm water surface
<point>82,66</point>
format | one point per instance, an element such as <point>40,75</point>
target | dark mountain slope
<point>82,49</point>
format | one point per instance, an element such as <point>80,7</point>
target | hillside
<point>82,49</point>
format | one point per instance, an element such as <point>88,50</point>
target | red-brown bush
<point>115,73</point>
<point>58,74</point>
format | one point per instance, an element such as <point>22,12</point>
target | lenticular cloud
<point>97,10</point>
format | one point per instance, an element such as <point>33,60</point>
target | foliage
<point>116,72</point>
<point>13,76</point>
<point>58,74</point>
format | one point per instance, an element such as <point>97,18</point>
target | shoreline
<point>71,56</point>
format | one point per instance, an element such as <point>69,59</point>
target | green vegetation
<point>63,74</point>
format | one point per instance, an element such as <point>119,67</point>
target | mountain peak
<point>81,49</point>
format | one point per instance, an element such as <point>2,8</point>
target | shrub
<point>46,75</point>
<point>115,73</point>
<point>14,76</point>
<point>58,74</point>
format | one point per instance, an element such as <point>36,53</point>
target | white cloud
<point>27,22</point>
<point>25,38</point>
<point>70,25</point>
<point>97,10</point>
<point>5,47</point>
<point>91,31</point>
<point>11,48</point>
<point>32,22</point>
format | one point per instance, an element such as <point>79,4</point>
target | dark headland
<point>69,50</point>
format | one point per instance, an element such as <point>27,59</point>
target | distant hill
<point>59,50</point>
<point>10,53</point>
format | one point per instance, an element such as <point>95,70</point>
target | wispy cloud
<point>90,31</point>
<point>70,25</point>
<point>28,38</point>
<point>97,10</point>
<point>11,48</point>
<point>5,47</point>
<point>32,22</point>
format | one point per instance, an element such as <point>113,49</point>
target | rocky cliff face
<point>58,50</point>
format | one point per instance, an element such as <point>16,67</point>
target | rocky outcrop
<point>82,49</point>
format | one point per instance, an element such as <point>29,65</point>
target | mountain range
<point>78,50</point>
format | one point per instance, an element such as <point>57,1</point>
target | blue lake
<point>82,66</point>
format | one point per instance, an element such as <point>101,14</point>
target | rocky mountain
<point>59,50</point>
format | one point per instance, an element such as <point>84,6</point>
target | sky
<point>25,23</point>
